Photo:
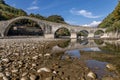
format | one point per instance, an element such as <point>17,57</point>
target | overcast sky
<point>76,12</point>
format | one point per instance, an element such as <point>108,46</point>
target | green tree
<point>62,32</point>
<point>56,18</point>
<point>112,21</point>
<point>2,2</point>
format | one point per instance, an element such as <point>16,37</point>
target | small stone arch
<point>65,33</point>
<point>99,33</point>
<point>82,34</point>
<point>11,22</point>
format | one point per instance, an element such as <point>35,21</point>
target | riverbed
<point>57,59</point>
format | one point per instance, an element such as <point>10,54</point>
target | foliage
<point>112,21</point>
<point>56,18</point>
<point>8,12</point>
<point>99,32</point>
<point>62,32</point>
<point>82,33</point>
<point>37,16</point>
<point>2,2</point>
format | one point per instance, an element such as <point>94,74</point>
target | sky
<point>75,12</point>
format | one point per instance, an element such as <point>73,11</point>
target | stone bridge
<point>49,28</point>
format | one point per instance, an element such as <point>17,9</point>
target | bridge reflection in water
<point>89,45</point>
<point>79,44</point>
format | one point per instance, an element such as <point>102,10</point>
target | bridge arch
<point>62,32</point>
<point>37,21</point>
<point>82,34</point>
<point>98,33</point>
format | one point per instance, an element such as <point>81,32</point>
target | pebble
<point>32,77</point>
<point>92,75</point>
<point>35,57</point>
<point>44,69</point>
<point>1,74</point>
<point>47,54</point>
<point>5,78</point>
<point>24,74</point>
<point>33,64</point>
<point>5,60</point>
<point>110,67</point>
<point>7,73</point>
<point>49,78</point>
<point>24,78</point>
<point>15,70</point>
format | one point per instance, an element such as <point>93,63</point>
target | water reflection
<point>72,54</point>
<point>91,49</point>
<point>96,54</point>
<point>90,45</point>
<point>99,41</point>
<point>99,68</point>
<point>111,47</point>
<point>82,41</point>
<point>64,44</point>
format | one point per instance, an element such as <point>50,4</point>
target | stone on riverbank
<point>92,75</point>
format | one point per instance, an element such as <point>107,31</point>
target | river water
<point>99,53</point>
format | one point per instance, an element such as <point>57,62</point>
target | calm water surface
<point>98,52</point>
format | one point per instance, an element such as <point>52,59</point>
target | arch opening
<point>82,34</point>
<point>62,33</point>
<point>98,33</point>
<point>24,27</point>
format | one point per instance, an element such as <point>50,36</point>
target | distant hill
<point>8,12</point>
<point>112,21</point>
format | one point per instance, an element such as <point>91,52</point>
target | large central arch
<point>13,21</point>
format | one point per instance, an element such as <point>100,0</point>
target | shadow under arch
<point>24,27</point>
<point>62,33</point>
<point>98,33</point>
<point>82,34</point>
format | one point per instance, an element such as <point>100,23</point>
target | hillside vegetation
<point>7,12</point>
<point>112,21</point>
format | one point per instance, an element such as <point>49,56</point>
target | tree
<point>56,18</point>
<point>112,21</point>
<point>117,12</point>
<point>2,2</point>
<point>62,32</point>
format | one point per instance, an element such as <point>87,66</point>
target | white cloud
<point>93,24</point>
<point>33,8</point>
<point>84,13</point>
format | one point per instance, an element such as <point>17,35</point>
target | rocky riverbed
<point>33,59</point>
